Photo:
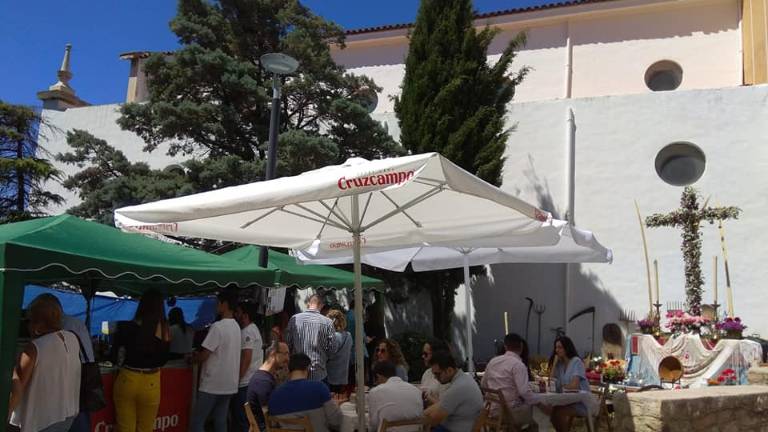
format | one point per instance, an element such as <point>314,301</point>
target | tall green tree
<point>212,94</point>
<point>453,102</point>
<point>210,102</point>
<point>23,173</point>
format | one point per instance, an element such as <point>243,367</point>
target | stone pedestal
<point>758,375</point>
<point>720,408</point>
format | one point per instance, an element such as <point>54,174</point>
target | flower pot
<point>612,379</point>
<point>648,331</point>
<point>733,334</point>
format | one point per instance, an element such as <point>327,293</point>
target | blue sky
<point>34,33</point>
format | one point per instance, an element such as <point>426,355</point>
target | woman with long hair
<point>568,369</point>
<point>182,334</point>
<point>145,341</point>
<point>338,360</point>
<point>45,391</point>
<point>389,350</point>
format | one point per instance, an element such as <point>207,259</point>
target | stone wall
<point>758,375</point>
<point>722,409</point>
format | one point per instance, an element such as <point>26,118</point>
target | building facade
<point>612,84</point>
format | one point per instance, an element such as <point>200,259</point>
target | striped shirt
<point>312,334</point>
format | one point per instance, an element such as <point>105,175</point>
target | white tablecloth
<point>349,418</point>
<point>699,363</point>
<point>559,399</point>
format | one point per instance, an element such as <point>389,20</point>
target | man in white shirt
<point>220,358</point>
<point>393,399</point>
<point>251,358</point>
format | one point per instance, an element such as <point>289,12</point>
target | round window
<point>680,163</point>
<point>368,98</point>
<point>664,75</point>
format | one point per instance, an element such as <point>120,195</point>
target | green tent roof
<point>299,274</point>
<point>66,248</point>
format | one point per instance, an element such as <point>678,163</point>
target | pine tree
<point>108,180</point>
<point>23,174</point>
<point>212,95</point>
<point>210,100</point>
<point>453,102</point>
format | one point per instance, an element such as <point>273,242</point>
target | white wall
<point>612,49</point>
<point>611,54</point>
<point>100,121</point>
<point>617,140</point>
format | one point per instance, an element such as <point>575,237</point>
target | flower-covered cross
<point>689,217</point>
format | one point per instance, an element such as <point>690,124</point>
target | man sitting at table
<point>460,405</point>
<point>393,399</point>
<point>300,397</point>
<point>509,374</point>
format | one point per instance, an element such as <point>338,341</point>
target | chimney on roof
<point>61,96</point>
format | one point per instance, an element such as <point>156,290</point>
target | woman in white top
<point>182,335</point>
<point>48,370</point>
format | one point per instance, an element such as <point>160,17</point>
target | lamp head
<point>279,63</point>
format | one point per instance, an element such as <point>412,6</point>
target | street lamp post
<point>278,64</point>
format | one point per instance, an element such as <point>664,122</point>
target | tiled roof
<point>553,5</point>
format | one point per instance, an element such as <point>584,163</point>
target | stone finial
<point>64,74</point>
<point>61,95</point>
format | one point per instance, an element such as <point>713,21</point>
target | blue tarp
<point>198,311</point>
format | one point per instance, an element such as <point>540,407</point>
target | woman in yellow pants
<point>145,342</point>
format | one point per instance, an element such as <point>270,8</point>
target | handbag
<point>92,397</point>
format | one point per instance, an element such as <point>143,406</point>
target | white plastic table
<point>559,399</point>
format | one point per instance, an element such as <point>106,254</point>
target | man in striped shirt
<point>312,334</point>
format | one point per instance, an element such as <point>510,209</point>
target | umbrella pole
<point>468,298</point>
<point>359,342</point>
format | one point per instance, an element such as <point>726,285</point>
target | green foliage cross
<point>689,217</point>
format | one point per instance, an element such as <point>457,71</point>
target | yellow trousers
<point>137,399</point>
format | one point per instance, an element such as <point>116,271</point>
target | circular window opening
<point>664,75</point>
<point>367,98</point>
<point>680,163</point>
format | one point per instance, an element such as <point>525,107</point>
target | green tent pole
<point>11,297</point>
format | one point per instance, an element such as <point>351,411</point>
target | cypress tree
<point>454,102</point>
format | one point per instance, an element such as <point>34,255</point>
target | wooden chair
<point>602,409</point>
<point>253,426</point>
<point>481,424</point>
<point>284,424</point>
<point>502,421</point>
<point>386,425</point>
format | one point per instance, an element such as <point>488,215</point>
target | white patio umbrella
<point>573,246</point>
<point>388,203</point>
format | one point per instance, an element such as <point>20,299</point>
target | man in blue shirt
<point>300,397</point>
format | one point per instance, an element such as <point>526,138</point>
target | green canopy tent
<point>302,275</point>
<point>65,248</point>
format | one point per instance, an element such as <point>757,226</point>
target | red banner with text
<point>173,414</point>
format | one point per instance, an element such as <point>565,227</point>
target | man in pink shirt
<point>509,374</point>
